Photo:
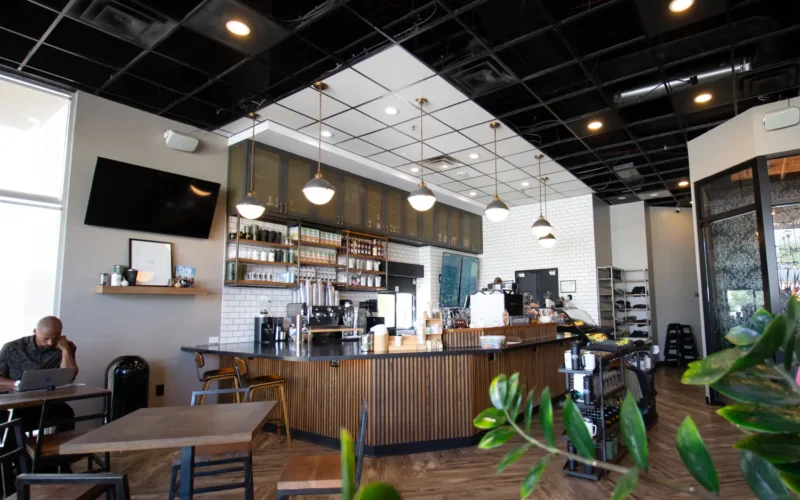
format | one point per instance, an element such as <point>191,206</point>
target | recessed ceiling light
<point>474,156</point>
<point>238,28</point>
<point>620,197</point>
<point>326,133</point>
<point>473,193</point>
<point>595,125</point>
<point>703,98</point>
<point>653,195</point>
<point>683,184</point>
<point>525,184</point>
<point>415,169</point>
<point>461,174</point>
<point>391,110</point>
<point>445,165</point>
<point>680,5</point>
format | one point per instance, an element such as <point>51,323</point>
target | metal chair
<point>75,486</point>
<point>320,474</point>
<point>219,455</point>
<point>212,375</point>
<point>264,382</point>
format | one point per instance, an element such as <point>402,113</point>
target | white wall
<point>674,285</point>
<point>602,232</point>
<point>628,236</point>
<point>510,246</point>
<point>154,327</point>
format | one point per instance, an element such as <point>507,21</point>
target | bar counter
<point>418,400</point>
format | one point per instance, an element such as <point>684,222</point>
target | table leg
<point>187,473</point>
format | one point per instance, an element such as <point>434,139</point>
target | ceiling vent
<point>481,78</point>
<point>137,24</point>
<point>442,162</point>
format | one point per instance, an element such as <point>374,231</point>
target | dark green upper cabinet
<point>466,232</point>
<point>298,173</point>
<point>454,228</point>
<point>395,203</point>
<point>353,202</point>
<point>442,217</point>
<point>373,214</point>
<point>412,228</point>
<point>237,174</point>
<point>428,229</point>
<point>267,178</point>
<point>331,211</point>
<point>477,234</point>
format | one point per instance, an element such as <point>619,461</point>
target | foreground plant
<point>767,412</point>
<point>374,491</point>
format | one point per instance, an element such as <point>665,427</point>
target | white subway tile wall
<point>510,246</point>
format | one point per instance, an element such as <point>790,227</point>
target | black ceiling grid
<point>545,76</point>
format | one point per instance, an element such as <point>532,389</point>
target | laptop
<point>34,380</point>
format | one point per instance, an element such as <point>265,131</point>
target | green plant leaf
<point>760,319</point>
<point>513,410</point>
<point>529,412</point>
<point>511,457</point>
<point>761,476</point>
<point>496,437</point>
<point>489,419</point>
<point>766,419</point>
<point>793,309</point>
<point>711,368</point>
<point>634,434</point>
<point>529,483</point>
<point>764,371</point>
<point>498,390</point>
<point>790,468</point>
<point>773,338</point>
<point>546,418</point>
<point>791,482</point>
<point>513,389</point>
<point>577,431</point>
<point>695,455</point>
<point>749,389</point>
<point>378,491</point>
<point>788,352</point>
<point>626,483</point>
<point>777,448</point>
<point>742,335</point>
<point>348,464</point>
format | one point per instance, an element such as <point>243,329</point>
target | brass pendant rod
<point>252,155</point>
<point>421,101</point>
<point>495,161</point>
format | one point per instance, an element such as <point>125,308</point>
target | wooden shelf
<point>360,271</point>
<point>366,288</point>
<point>263,262</point>
<point>365,256</point>
<point>321,245</point>
<point>262,243</point>
<point>261,283</point>
<point>148,290</point>
<point>313,264</point>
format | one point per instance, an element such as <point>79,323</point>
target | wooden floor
<point>469,472</point>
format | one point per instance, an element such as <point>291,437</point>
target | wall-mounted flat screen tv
<point>126,196</point>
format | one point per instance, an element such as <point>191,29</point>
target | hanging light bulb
<point>549,239</point>
<point>249,206</point>
<point>496,210</point>
<point>541,227</point>
<point>421,198</point>
<point>318,190</point>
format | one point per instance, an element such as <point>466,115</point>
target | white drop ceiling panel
<point>360,147</point>
<point>501,188</point>
<point>487,167</point>
<point>512,145</point>
<point>239,125</point>
<point>431,128</point>
<point>578,192</point>
<point>556,196</point>
<point>451,142</point>
<point>483,133</point>
<point>307,102</point>
<point>436,90</point>
<point>462,115</point>
<point>352,88</point>
<point>388,138</point>
<point>464,156</point>
<point>336,137</point>
<point>567,186</point>
<point>466,192</point>
<point>514,196</point>
<point>484,200</point>
<point>411,152</point>
<point>524,159</point>
<point>560,177</point>
<point>437,179</point>
<point>462,173</point>
<point>455,186</point>
<point>511,175</point>
<point>548,168</point>
<point>394,68</point>
<point>525,184</point>
<point>377,110</point>
<point>480,182</point>
<point>285,116</point>
<point>354,123</point>
<point>388,158</point>
<point>409,169</point>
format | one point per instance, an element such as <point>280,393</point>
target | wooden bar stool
<point>264,382</point>
<point>212,375</point>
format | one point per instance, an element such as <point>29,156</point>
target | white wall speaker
<point>782,118</point>
<point>181,142</point>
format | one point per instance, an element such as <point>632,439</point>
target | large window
<point>34,126</point>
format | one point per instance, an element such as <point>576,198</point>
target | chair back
<point>241,371</point>
<point>18,455</point>
<point>196,394</point>
<point>118,483</point>
<point>199,362</point>
<point>362,436</point>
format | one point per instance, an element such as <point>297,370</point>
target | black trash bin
<point>128,377</point>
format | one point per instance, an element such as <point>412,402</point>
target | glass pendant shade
<point>250,207</point>
<point>541,227</point>
<point>421,198</point>
<point>318,190</point>
<point>496,211</point>
<point>547,241</point>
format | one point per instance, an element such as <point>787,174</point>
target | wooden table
<point>181,427</point>
<point>27,399</point>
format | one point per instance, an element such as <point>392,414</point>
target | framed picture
<point>568,286</point>
<point>153,260</point>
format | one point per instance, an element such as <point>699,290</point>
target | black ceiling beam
<point>46,33</point>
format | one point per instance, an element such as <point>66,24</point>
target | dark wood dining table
<point>183,427</point>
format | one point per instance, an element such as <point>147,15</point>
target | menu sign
<point>450,280</point>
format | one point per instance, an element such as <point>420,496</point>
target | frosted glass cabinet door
<point>236,175</point>
<point>298,174</point>
<point>331,211</point>
<point>353,196</point>
<point>395,202</point>
<point>373,216</point>
<point>466,231</point>
<point>266,178</point>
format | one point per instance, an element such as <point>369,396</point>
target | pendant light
<point>318,190</point>
<point>421,198</point>
<point>496,210</point>
<point>249,206</point>
<point>541,227</point>
<point>548,240</point>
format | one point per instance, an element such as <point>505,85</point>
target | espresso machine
<point>365,315</point>
<point>268,329</point>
